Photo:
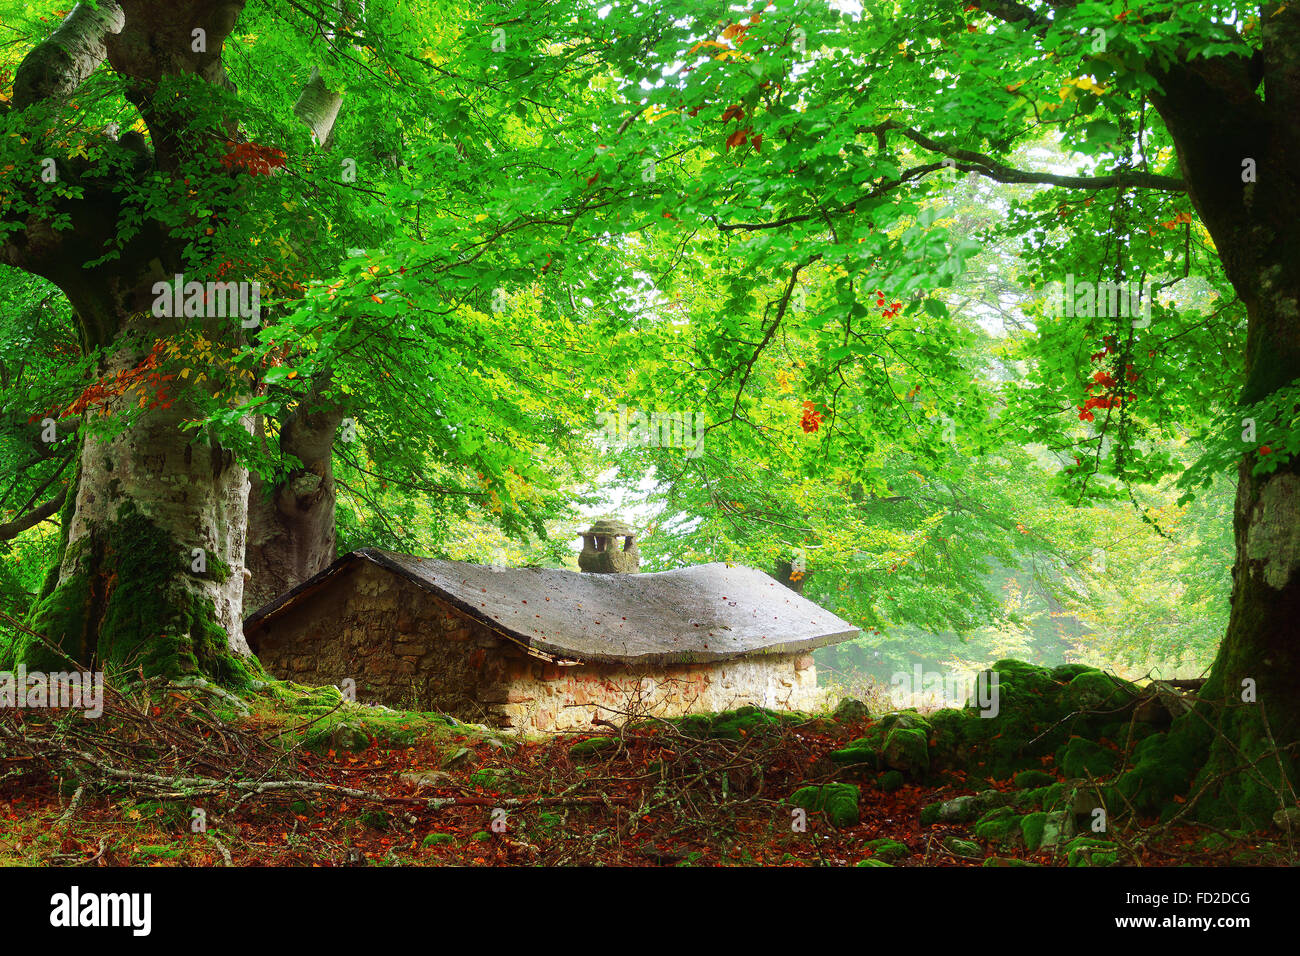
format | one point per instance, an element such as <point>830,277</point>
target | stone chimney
<point>604,553</point>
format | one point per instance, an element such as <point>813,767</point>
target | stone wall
<point>408,649</point>
<point>404,647</point>
<point>543,697</point>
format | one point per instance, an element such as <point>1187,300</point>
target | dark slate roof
<point>709,612</point>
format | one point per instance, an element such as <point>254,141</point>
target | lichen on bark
<point>1273,536</point>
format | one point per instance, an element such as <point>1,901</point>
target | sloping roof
<point>709,612</point>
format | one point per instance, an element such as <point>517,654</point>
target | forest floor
<point>402,789</point>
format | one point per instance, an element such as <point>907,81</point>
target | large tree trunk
<point>291,526</point>
<point>1249,721</point>
<point>151,574</point>
<point>150,577</point>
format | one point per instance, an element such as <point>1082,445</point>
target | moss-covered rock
<point>1031,779</point>
<point>1026,678</point>
<point>1021,725</point>
<point>1028,799</point>
<point>1064,673</point>
<point>897,741</point>
<point>1164,766</point>
<point>948,720</point>
<point>908,719</point>
<point>850,711</point>
<point>427,779</point>
<point>1000,826</point>
<point>887,849</point>
<point>862,752</point>
<point>1088,851</point>
<point>1055,796</point>
<point>499,780</point>
<point>1007,861</point>
<point>948,738</point>
<point>1099,691</point>
<point>732,724</point>
<point>344,735</point>
<point>593,747</point>
<point>389,730</point>
<point>838,802</point>
<point>1287,820</point>
<point>1081,757</point>
<point>1031,828</point>
<point>962,809</point>
<point>965,848</point>
<point>907,750</point>
<point>889,781</point>
<point>872,861</point>
<point>1045,831</point>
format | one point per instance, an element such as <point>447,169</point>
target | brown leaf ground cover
<point>306,781</point>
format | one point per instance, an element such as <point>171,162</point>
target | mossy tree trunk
<point>151,571</point>
<point>1234,124</point>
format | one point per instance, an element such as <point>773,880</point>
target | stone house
<point>540,649</point>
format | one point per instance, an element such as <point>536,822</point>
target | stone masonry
<point>407,648</point>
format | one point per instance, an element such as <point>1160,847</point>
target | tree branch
<point>60,64</point>
<point>318,107</point>
<point>1000,172</point>
<point>34,517</point>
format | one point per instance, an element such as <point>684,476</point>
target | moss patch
<point>593,747</point>
<point>887,849</point>
<point>1087,851</point>
<point>1030,779</point>
<point>1082,758</point>
<point>837,801</point>
<point>889,781</point>
<point>130,610</point>
<point>999,826</point>
<point>1098,691</point>
<point>734,724</point>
